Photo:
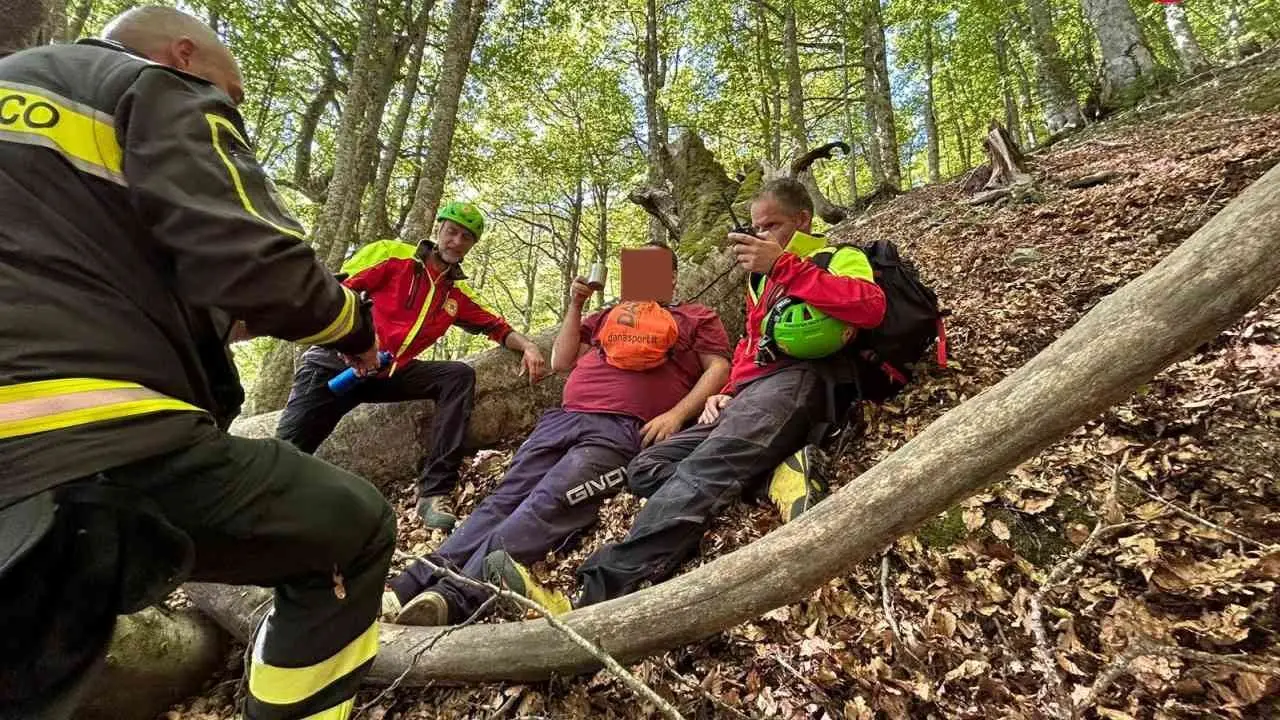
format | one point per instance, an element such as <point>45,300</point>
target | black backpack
<point>880,360</point>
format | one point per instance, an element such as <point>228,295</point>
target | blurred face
<point>775,222</point>
<point>453,242</point>
<point>213,63</point>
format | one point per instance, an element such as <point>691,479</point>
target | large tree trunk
<point>572,246</point>
<point>1184,40</point>
<point>768,86</point>
<point>157,658</point>
<point>25,24</point>
<point>1012,120</point>
<point>78,18</point>
<point>930,116</point>
<point>302,178</point>
<point>653,76</point>
<point>378,224</point>
<point>390,56</point>
<point>1061,108</point>
<point>879,94</point>
<point>823,207</point>
<point>465,19</point>
<point>1200,289</point>
<point>1129,69</point>
<point>361,89</point>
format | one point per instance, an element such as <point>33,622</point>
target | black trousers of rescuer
<point>313,410</point>
<point>691,477</point>
<point>248,512</point>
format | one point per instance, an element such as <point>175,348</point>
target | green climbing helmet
<point>802,331</point>
<point>465,214</point>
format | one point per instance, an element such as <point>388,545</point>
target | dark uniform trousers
<point>313,410</point>
<point>250,512</point>
<point>691,477</point>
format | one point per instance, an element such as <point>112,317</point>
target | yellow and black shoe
<point>799,482</point>
<point>501,570</point>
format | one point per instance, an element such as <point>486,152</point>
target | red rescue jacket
<point>414,305</point>
<point>845,290</point>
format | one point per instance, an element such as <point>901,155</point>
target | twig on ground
<point>506,706</point>
<point>701,690</point>
<point>796,673</point>
<point>1142,647</point>
<point>613,666</point>
<point>419,652</point>
<point>887,604</point>
<point>1192,516</point>
<point>1035,617</point>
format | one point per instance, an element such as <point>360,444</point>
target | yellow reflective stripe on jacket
<point>341,325</point>
<point>337,712</point>
<point>417,324</point>
<point>216,123</point>
<point>85,137</point>
<point>31,408</point>
<point>286,686</point>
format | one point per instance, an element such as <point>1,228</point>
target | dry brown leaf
<point>1111,714</point>
<point>1000,530</point>
<point>973,518</point>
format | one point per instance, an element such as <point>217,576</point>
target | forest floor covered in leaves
<point>941,625</point>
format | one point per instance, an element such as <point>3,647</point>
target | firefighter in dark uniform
<point>136,229</point>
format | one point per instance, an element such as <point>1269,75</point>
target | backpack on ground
<point>884,356</point>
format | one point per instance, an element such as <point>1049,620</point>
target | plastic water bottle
<point>343,382</point>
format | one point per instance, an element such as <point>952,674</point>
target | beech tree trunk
<point>653,75</point>
<point>1129,69</point>
<point>930,117</point>
<point>1061,108</point>
<point>302,178</point>
<point>1184,40</point>
<point>78,18</point>
<point>465,19</point>
<point>879,98</point>
<point>378,225</point>
<point>361,88</point>
<point>1198,290</point>
<point>25,24</point>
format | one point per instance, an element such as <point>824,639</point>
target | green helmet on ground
<point>465,214</point>
<point>802,331</point>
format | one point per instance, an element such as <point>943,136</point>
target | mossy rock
<point>1041,539</point>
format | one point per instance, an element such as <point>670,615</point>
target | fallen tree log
<point>157,658</point>
<point>1202,287</point>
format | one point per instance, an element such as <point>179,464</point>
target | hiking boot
<point>428,609</point>
<point>436,512</point>
<point>390,606</point>
<point>799,482</point>
<point>501,570</point>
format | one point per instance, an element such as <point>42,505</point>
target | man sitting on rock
<point>417,294</point>
<point>639,372</point>
<point>777,394</point>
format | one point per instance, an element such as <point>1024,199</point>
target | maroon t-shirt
<point>596,386</point>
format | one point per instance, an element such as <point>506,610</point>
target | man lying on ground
<point>417,294</point>
<point>640,372</point>
<point>765,415</point>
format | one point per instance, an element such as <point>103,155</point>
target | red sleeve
<point>368,279</point>
<point>590,324</point>
<point>854,300</point>
<point>478,320</point>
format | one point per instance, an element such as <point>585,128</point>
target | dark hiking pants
<point>246,512</point>
<point>693,476</point>
<point>313,411</point>
<point>553,490</point>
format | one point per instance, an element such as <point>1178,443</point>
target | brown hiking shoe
<point>436,512</point>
